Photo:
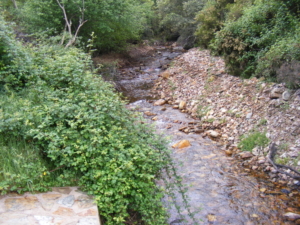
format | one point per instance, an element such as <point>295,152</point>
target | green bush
<point>177,20</point>
<point>282,60</point>
<point>252,140</point>
<point>79,131</point>
<point>245,42</point>
<point>210,20</point>
<point>113,22</point>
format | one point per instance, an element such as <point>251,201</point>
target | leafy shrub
<point>245,41</point>
<point>10,52</point>
<point>252,140</point>
<point>177,20</point>
<point>281,61</point>
<point>210,20</point>
<point>113,22</point>
<point>80,132</point>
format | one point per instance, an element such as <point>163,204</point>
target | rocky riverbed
<point>228,107</point>
<point>204,111</point>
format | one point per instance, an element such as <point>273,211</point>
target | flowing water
<point>220,190</point>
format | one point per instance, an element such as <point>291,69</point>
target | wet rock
<point>198,131</point>
<point>149,113</point>
<point>291,216</point>
<point>160,102</point>
<point>228,152</point>
<point>211,217</point>
<point>155,118</point>
<point>182,144</point>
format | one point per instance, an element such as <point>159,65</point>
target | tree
<point>177,19</point>
<point>113,22</point>
<point>69,23</point>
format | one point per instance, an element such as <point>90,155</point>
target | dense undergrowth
<point>257,38</point>
<point>61,124</point>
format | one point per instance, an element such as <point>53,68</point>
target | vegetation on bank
<point>256,37</point>
<point>61,124</point>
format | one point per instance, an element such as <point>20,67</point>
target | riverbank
<point>228,107</point>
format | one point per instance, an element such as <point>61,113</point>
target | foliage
<point>210,20</point>
<point>77,130</point>
<point>252,140</point>
<point>177,20</point>
<point>10,71</point>
<point>113,22</point>
<point>254,41</point>
<point>282,60</point>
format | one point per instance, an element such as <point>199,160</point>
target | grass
<point>202,110</point>
<point>262,122</point>
<point>252,140</point>
<point>282,161</point>
<point>23,166</point>
<point>14,154</point>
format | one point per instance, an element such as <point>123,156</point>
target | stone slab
<point>61,206</point>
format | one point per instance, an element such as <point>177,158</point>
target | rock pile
<point>228,107</point>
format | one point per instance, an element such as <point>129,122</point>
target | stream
<point>220,190</point>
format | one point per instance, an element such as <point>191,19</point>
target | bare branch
<point>69,23</point>
<point>273,150</point>
<point>65,16</point>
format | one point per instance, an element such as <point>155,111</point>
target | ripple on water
<point>220,187</point>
